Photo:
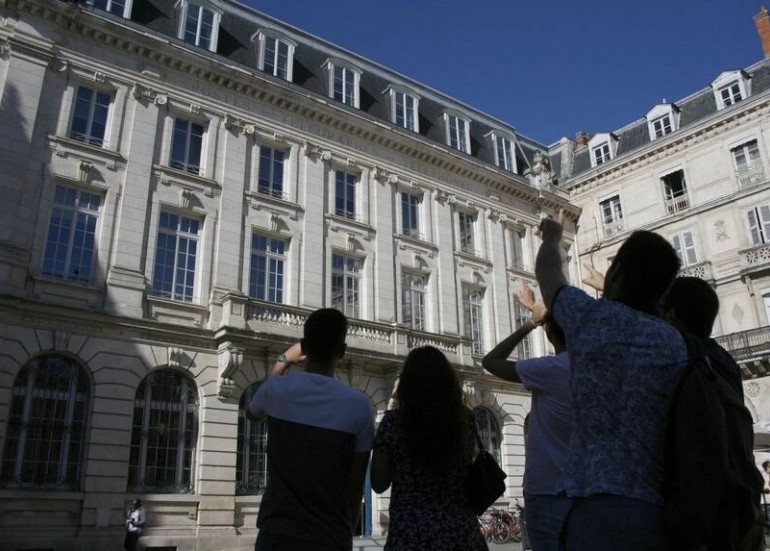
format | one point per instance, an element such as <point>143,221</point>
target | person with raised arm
<point>626,362</point>
<point>551,418</point>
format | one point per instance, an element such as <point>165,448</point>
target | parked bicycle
<point>500,526</point>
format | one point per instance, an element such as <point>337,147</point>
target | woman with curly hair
<point>424,448</point>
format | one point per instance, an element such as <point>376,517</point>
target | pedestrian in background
<point>135,521</point>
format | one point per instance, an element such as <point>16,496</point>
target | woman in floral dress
<point>424,448</point>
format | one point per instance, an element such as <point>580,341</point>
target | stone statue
<point>541,174</point>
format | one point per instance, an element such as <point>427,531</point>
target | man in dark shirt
<point>320,438</point>
<point>625,364</point>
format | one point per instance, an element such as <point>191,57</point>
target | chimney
<point>581,138</point>
<point>762,23</point>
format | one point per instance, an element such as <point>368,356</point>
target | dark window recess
<point>675,190</point>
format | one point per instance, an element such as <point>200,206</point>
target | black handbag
<point>486,481</point>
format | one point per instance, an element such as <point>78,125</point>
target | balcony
<point>755,259</point>
<point>613,228</point>
<point>677,204</point>
<point>272,320</point>
<point>750,177</point>
<point>746,345</point>
<point>703,270</point>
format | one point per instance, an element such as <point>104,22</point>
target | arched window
<point>164,434</point>
<point>44,441</point>
<point>489,431</point>
<point>251,465</point>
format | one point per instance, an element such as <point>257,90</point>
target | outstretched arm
<point>496,361</point>
<point>594,279</point>
<point>549,267</point>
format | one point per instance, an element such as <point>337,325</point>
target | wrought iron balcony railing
<point>744,345</point>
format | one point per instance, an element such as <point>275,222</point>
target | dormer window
<point>275,54</point>
<point>504,154</point>
<point>731,87</point>
<point>121,8</point>
<point>457,132</point>
<point>343,82</point>
<point>199,25</point>
<point>662,119</point>
<point>603,148</point>
<point>404,108</point>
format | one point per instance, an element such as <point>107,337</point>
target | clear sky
<point>547,67</point>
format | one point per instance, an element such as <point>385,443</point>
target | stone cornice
<point>170,54</point>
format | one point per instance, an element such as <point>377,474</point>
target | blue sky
<point>547,67</point>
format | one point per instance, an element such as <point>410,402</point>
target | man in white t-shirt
<point>320,438</point>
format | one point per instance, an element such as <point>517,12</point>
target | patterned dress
<point>427,511</point>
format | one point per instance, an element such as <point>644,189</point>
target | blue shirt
<point>550,422</point>
<point>625,367</point>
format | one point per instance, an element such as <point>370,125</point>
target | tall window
<point>662,126</point>
<point>268,256</point>
<point>489,431</point>
<point>601,153</point>
<point>251,463</point>
<point>748,164</point>
<point>270,180</point>
<point>405,108</point>
<point>467,235</point>
<point>345,85</point>
<point>175,256</point>
<point>164,434</point>
<point>89,118</point>
<point>504,154</point>
<point>675,190</point>
<point>612,215</point>
<point>521,315</point>
<point>684,244</point>
<point>473,298</point>
<point>200,26</point>
<point>345,194</point>
<point>413,300</point>
<point>346,282</point>
<point>730,94</point>
<point>71,242</point>
<point>187,146</point>
<point>457,133</point>
<point>410,214</point>
<point>118,7</point>
<point>518,259</point>
<point>759,224</point>
<point>46,425</point>
<point>277,57</point>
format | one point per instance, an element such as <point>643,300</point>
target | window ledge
<point>167,175</point>
<point>335,219</point>
<point>254,198</point>
<point>419,241</point>
<point>472,257</point>
<point>63,146</point>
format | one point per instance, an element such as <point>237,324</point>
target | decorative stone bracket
<point>230,358</point>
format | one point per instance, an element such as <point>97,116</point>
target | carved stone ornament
<point>721,230</point>
<point>175,356</point>
<point>147,95</point>
<point>84,171</point>
<point>752,389</point>
<point>316,152</point>
<point>229,360</point>
<point>56,64</point>
<point>384,176</point>
<point>238,125</point>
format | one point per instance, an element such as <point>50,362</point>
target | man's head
<point>692,305</point>
<point>642,271</point>
<point>136,503</point>
<point>324,336</point>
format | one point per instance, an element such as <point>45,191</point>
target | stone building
<point>695,171</point>
<point>183,182</point>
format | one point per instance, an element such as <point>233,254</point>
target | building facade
<point>184,182</point>
<point>696,171</point>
